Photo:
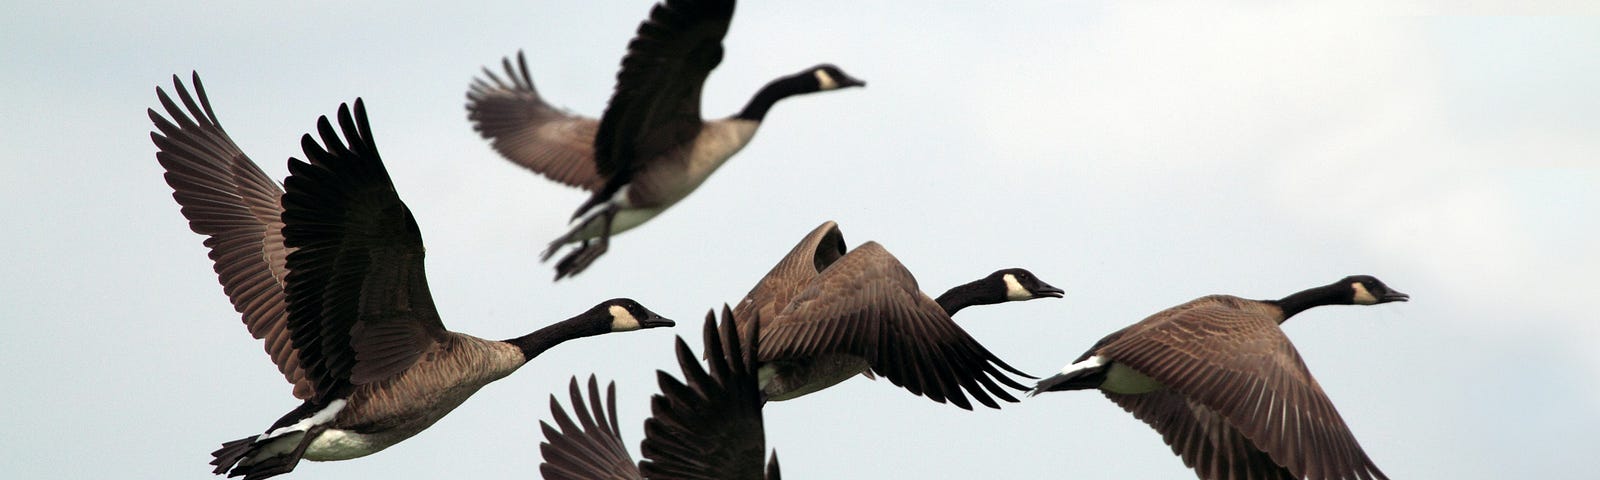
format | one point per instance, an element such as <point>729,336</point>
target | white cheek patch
<point>1363,297</point>
<point>1014,289</point>
<point>622,320</point>
<point>825,81</point>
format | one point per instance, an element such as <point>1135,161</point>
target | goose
<point>827,314</point>
<point>650,148</point>
<point>330,274</point>
<point>1227,390</point>
<point>707,425</point>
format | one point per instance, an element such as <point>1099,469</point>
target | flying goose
<point>1227,390</point>
<point>651,148</point>
<point>330,274</point>
<point>706,426</point>
<point>827,314</point>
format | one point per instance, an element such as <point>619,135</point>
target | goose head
<point>1368,290</point>
<point>1006,285</point>
<point>826,77</point>
<point>1020,284</point>
<point>625,315</point>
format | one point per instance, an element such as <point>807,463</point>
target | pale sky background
<point>1136,154</point>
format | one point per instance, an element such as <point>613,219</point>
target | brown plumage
<point>1226,388</point>
<point>707,426</point>
<point>227,198</point>
<point>346,311</point>
<point>530,132</point>
<point>827,315</point>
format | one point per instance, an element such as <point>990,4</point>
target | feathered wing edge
<point>706,426</point>
<point>231,201</point>
<point>709,425</point>
<point>591,447</point>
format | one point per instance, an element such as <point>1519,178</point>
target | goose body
<point>329,271</point>
<point>650,148</point>
<point>827,314</point>
<point>706,426</point>
<point>1229,393</point>
<point>661,185</point>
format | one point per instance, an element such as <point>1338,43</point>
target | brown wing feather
<point>590,448</point>
<point>229,199</point>
<point>656,105</point>
<point>526,130</point>
<point>868,305</point>
<point>708,426</point>
<point>815,252</point>
<point>356,285</point>
<point>1228,355</point>
<point>1202,438</point>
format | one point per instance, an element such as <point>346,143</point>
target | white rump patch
<point>1087,364</point>
<point>622,320</point>
<point>1363,297</point>
<point>825,81</point>
<point>322,416</point>
<point>1014,290</point>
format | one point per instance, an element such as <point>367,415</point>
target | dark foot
<point>579,259</point>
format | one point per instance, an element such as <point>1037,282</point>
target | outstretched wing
<point>815,252</point>
<point>590,448</point>
<point>656,105</point>
<point>708,426</point>
<point>1201,437</point>
<point>868,305</point>
<point>1232,359</point>
<point>526,130</point>
<point>227,198</point>
<point>359,303</point>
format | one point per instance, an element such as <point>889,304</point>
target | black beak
<point>1394,296</point>
<point>654,321</point>
<point>849,81</point>
<point>1046,290</point>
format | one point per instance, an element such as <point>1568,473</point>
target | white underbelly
<point>625,220</point>
<point>335,444</point>
<point>1124,380</point>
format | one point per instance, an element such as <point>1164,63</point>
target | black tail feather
<point>1076,380</point>
<point>230,454</point>
<point>237,458</point>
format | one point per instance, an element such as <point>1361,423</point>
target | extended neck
<point>542,339</point>
<point>979,292</point>
<point>769,95</point>
<point>1316,297</point>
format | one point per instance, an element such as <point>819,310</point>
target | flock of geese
<point>327,270</point>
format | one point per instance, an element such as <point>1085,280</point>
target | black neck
<point>979,292</point>
<point>542,339</point>
<point>776,90</point>
<point>1297,302</point>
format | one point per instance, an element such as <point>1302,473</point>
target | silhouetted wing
<point>356,286</point>
<point>590,448</point>
<point>227,198</point>
<point>1204,440</point>
<point>868,305</point>
<point>656,105</point>
<point>709,426</point>
<point>526,130</point>
<point>1261,387</point>
<point>814,253</point>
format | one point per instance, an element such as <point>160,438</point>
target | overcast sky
<point>1138,155</point>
